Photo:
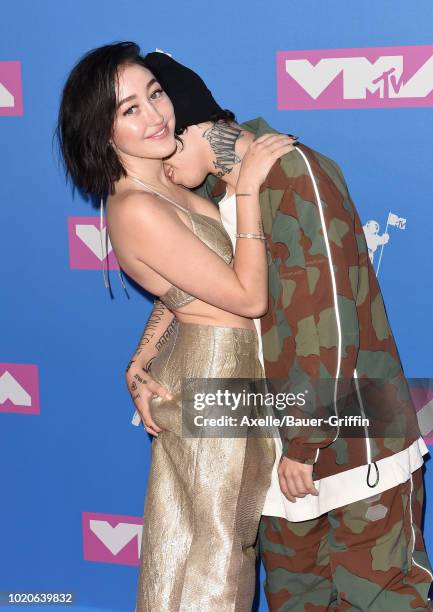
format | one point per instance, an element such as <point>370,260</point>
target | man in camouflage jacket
<point>300,335</point>
<point>299,330</point>
<point>326,319</point>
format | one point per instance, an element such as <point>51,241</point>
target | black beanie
<point>192,101</point>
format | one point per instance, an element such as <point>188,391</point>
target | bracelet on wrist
<point>250,235</point>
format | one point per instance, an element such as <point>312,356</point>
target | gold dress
<point>205,495</point>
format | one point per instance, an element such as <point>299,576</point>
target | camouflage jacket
<point>299,331</point>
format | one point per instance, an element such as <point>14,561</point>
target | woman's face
<point>144,121</point>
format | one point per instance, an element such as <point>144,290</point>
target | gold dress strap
<point>208,230</point>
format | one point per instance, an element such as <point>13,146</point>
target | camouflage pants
<point>368,555</point>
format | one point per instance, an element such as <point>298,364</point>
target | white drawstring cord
<point>338,321</point>
<point>361,403</point>
<point>367,438</point>
<point>105,255</point>
<point>413,532</point>
<point>334,284</point>
<point>104,274</point>
<point>119,271</point>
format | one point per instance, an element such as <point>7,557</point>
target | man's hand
<point>143,388</point>
<point>295,479</point>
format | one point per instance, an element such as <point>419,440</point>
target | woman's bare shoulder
<point>135,205</point>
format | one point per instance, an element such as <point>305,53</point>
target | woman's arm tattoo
<point>150,330</point>
<point>153,322</point>
<point>166,335</point>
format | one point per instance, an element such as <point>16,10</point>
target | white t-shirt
<point>340,489</point>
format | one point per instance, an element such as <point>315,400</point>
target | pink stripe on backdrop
<point>111,538</point>
<point>19,388</point>
<point>11,85</point>
<point>410,77</point>
<point>85,244</point>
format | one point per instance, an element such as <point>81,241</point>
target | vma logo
<point>11,97</point>
<point>19,388</point>
<point>378,77</point>
<point>112,538</point>
<point>86,250</point>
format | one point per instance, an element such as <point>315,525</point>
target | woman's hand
<point>143,388</point>
<point>261,155</point>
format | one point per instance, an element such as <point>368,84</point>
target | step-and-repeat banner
<point>352,80</point>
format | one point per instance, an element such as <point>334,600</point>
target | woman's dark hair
<point>86,117</point>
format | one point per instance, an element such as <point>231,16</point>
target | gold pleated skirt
<point>205,495</point>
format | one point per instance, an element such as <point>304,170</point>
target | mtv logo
<point>11,96</point>
<point>376,77</point>
<point>112,538</point>
<point>396,221</point>
<point>85,249</point>
<point>19,388</point>
<point>423,400</point>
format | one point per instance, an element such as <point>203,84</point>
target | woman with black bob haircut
<point>204,495</point>
<point>86,118</point>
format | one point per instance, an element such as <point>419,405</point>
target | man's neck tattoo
<point>222,138</point>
